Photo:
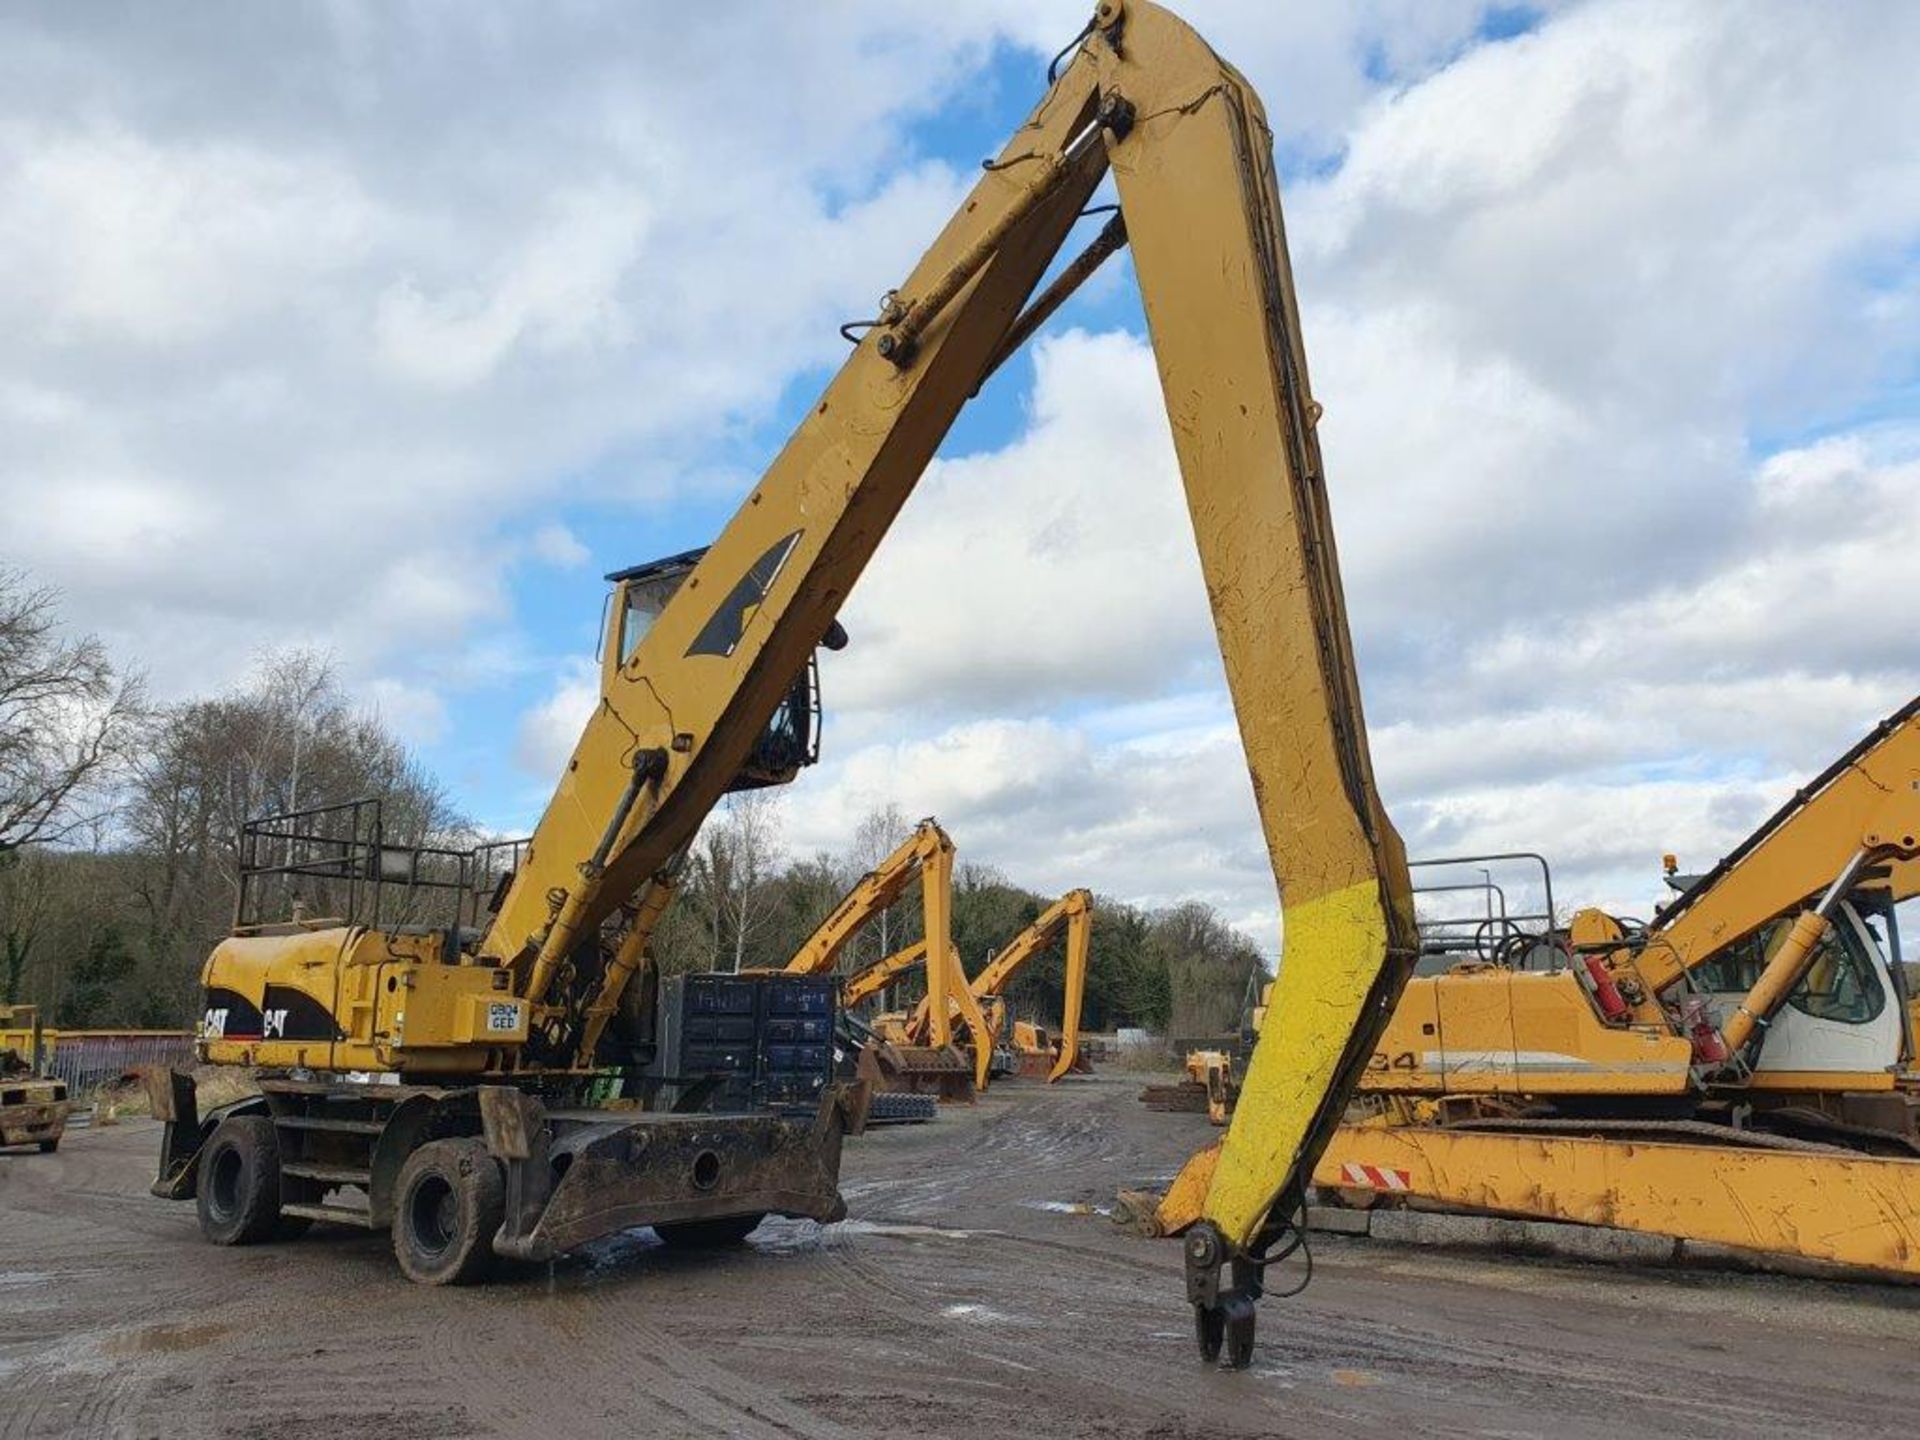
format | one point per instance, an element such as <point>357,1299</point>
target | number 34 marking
<point>1381,1062</point>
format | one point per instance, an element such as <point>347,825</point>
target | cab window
<point>1841,984</point>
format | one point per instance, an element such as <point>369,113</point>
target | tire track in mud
<point>640,1366</point>
<point>909,1281</point>
<point>954,1304</point>
<point>1485,1381</point>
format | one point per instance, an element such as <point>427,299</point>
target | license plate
<point>502,1018</point>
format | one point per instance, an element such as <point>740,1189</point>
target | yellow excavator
<point>1030,1048</point>
<point>931,1059</point>
<point>425,1073</point>
<point>1739,1070</point>
<point>1036,1050</point>
<point>465,1060</point>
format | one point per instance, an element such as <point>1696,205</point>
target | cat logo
<point>273,1024</point>
<point>213,1024</point>
<point>724,628</point>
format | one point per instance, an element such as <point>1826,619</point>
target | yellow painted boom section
<point>1868,800</point>
<point>1202,208</point>
<point>882,973</point>
<point>1847,1209</point>
<point>677,721</point>
<point>926,855</point>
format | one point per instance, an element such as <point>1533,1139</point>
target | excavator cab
<point>791,740</point>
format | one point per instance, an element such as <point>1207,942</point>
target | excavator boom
<point>1073,913</point>
<point>865,984</point>
<point>1862,811</point>
<point>926,855</point>
<point>1189,149</point>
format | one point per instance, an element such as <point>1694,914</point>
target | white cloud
<point>308,350</point>
<point>549,731</point>
<point>1559,300</point>
<point>554,544</point>
<point>1059,567</point>
<point>413,712</point>
<point>306,317</point>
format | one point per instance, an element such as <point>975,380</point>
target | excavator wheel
<point>707,1234</point>
<point>448,1206</point>
<point>238,1194</point>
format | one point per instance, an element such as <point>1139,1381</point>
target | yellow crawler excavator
<point>1738,1070</point>
<point>463,1061</point>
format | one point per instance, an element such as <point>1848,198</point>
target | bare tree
<point>1207,964</point>
<point>289,738</point>
<point>66,719</point>
<point>734,865</point>
<point>878,834</point>
<point>25,900</point>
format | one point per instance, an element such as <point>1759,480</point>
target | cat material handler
<point>466,1085</point>
<point>1185,140</point>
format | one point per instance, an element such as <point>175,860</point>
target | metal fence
<point>87,1060</point>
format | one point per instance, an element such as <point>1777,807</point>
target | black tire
<point>238,1189</point>
<point>707,1234</point>
<point>47,1147</point>
<point>447,1208</point>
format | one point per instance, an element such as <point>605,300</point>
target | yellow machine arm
<point>683,703</point>
<point>1073,913</point>
<point>1862,812</point>
<point>883,972</point>
<point>926,855</point>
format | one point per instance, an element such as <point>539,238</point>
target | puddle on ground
<point>791,1237</point>
<point>165,1339</point>
<point>980,1314</point>
<point>23,1279</point>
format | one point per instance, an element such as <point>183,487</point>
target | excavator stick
<point>1201,204</point>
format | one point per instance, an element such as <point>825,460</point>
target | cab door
<point>1842,1018</point>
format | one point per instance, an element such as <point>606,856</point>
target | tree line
<point>120,850</point>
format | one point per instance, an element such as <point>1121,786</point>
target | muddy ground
<point>963,1298</point>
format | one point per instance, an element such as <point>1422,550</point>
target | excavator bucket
<point>942,1070</point>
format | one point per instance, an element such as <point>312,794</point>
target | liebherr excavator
<point>1071,915</point>
<point>1738,1071</point>
<point>931,1059</point>
<point>476,1031</point>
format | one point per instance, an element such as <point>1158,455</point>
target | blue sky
<point>560,613</point>
<point>387,335</point>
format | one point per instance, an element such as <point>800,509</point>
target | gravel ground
<point>974,1292</point>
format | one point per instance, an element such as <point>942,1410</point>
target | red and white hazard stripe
<point>1375,1177</point>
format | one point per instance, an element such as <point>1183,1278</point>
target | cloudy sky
<point>388,328</point>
